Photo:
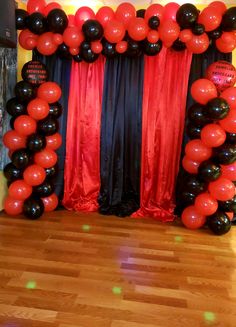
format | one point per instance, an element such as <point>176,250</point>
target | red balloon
<point>219,6</point>
<point>96,47</point>
<point>114,31</point>
<point>170,10</point>
<point>203,90</point>
<point>58,39</point>
<point>12,206</point>
<point>36,6</point>
<point>210,17</point>
<point>25,125</point>
<point>229,123</point>
<point>205,204</point>
<point>125,12</point>
<point>230,215</point>
<point>229,171</point>
<point>121,46</point>
<point>71,20</point>
<point>38,109</point>
<point>54,141</point>
<point>20,190</point>
<point>28,40</point>
<point>230,96</point>
<point>190,165</point>
<point>46,158</point>
<point>50,7</point>
<point>153,36</point>
<point>198,43</point>
<point>196,150</point>
<point>154,10</point>
<point>226,47</point>
<point>34,175</point>
<point>49,91</point>
<point>169,31</point>
<point>74,51</point>
<point>212,135</point>
<point>137,29</point>
<point>222,189</point>
<point>83,14</point>
<point>185,35</point>
<point>46,45</point>
<point>192,219</point>
<point>73,37</point>
<point>50,202</point>
<point>104,15</point>
<point>14,141</point>
<point>30,43</point>
<point>222,74</point>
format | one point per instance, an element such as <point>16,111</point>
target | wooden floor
<point>86,270</point>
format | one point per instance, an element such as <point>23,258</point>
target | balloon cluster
<point>85,35</point>
<point>32,143</point>
<point>208,193</point>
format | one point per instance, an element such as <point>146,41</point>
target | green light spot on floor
<point>116,290</point>
<point>209,316</point>
<point>86,228</point>
<point>178,239</point>
<point>31,285</point>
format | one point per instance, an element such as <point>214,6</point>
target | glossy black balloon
<point>187,15</point>
<point>24,91</point>
<point>228,206</point>
<point>63,52</point>
<point>225,154</point>
<point>92,30</point>
<point>44,190</point>
<point>57,21</point>
<point>193,131</point>
<point>209,171</point>
<point>178,45</point>
<point>33,208</point>
<point>154,22</point>
<point>196,115</point>
<point>215,34</point>
<point>34,72</point>
<point>198,29</point>
<point>15,108</point>
<point>55,110</point>
<point>231,138</point>
<point>109,49</point>
<point>219,223</point>
<point>21,158</point>
<point>12,121</point>
<point>194,185</point>
<point>36,23</point>
<point>133,49</point>
<point>228,22</point>
<point>151,49</point>
<point>36,142</point>
<point>217,108</point>
<point>85,45</point>
<point>88,55</point>
<point>21,19</point>
<point>48,126</point>
<point>12,173</point>
<point>186,198</point>
<point>78,58</point>
<point>51,172</point>
<point>140,13</point>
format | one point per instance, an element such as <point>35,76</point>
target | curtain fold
<point>82,166</point>
<point>165,91</point>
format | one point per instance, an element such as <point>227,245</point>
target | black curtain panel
<point>121,132</point>
<point>59,72</point>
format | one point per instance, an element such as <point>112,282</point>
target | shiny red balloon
<point>192,219</point>
<point>14,141</point>
<point>30,43</point>
<point>219,6</point>
<point>104,15</point>
<point>137,29</point>
<point>38,109</point>
<point>12,206</point>
<point>57,38</point>
<point>49,91</point>
<point>125,12</point>
<point>190,165</point>
<point>203,90</point>
<point>185,35</point>
<point>114,31</point>
<point>74,51</point>
<point>170,10</point>
<point>212,135</point>
<point>196,150</point>
<point>153,36</point>
<point>226,47</point>
<point>121,46</point>
<point>71,20</point>
<point>222,189</point>
<point>46,44</point>
<point>36,6</point>
<point>229,123</point>
<point>154,10</point>
<point>34,175</point>
<point>96,46</point>
<point>25,125</point>
<point>229,171</point>
<point>73,37</point>
<point>54,141</point>
<point>50,7</point>
<point>50,202</point>
<point>46,158</point>
<point>230,96</point>
<point>20,190</point>
<point>205,204</point>
<point>27,39</point>
<point>83,14</point>
<point>210,17</point>
<point>198,43</point>
<point>169,31</point>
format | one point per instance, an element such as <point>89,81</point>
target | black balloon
<point>63,52</point>
<point>217,108</point>
<point>209,171</point>
<point>89,56</point>
<point>34,72</point>
<point>85,45</point>
<point>21,158</point>
<point>187,15</point>
<point>78,58</point>
<point>219,223</point>
<point>193,131</point>
<point>44,190</point>
<point>229,20</point>
<point>36,23</point>
<point>215,34</point>
<point>92,30</point>
<point>15,108</point>
<point>178,45</point>
<point>194,185</point>
<point>33,208</point>
<point>12,121</point>
<point>140,13</point>
<point>36,142</point>
<point>151,49</point>
<point>231,138</point>
<point>55,110</point>
<point>51,172</point>
<point>225,154</point>
<point>21,19</point>
<point>228,206</point>
<point>48,126</point>
<point>134,49</point>
<point>109,49</point>
<point>12,173</point>
<point>196,114</point>
<point>24,91</point>
<point>57,21</point>
<point>186,198</point>
<point>198,29</point>
<point>154,22</point>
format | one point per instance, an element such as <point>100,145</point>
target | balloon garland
<point>210,156</point>
<point>85,35</point>
<point>32,143</point>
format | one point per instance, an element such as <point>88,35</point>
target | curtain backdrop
<point>82,167</point>
<point>121,136</point>
<point>59,72</point>
<point>165,91</point>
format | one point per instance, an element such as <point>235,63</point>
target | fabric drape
<point>165,91</point>
<point>121,136</point>
<point>82,166</point>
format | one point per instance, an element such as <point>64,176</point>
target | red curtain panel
<point>82,163</point>
<point>164,101</point>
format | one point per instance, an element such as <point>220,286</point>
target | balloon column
<point>85,35</point>
<point>32,143</point>
<point>210,155</point>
